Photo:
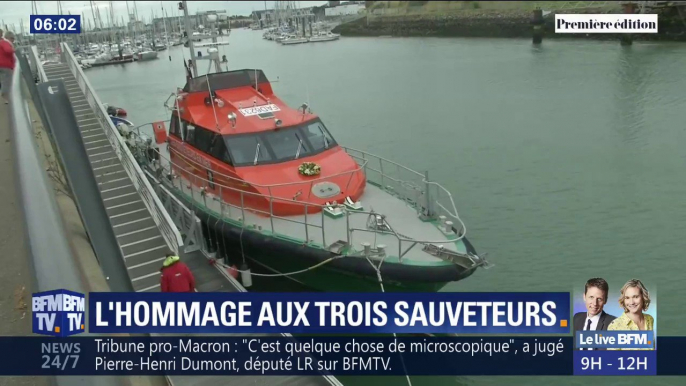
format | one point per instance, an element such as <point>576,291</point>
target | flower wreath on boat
<point>309,169</point>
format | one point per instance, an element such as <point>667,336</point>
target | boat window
<point>318,136</point>
<point>224,80</point>
<point>202,139</point>
<point>185,131</point>
<point>280,145</point>
<point>286,143</point>
<point>226,157</point>
<point>174,127</point>
<point>190,134</point>
<point>243,148</point>
<point>218,149</point>
<point>256,74</point>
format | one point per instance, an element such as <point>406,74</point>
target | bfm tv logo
<point>58,313</point>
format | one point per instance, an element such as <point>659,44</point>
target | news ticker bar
<point>255,355</point>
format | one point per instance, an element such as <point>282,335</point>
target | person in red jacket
<point>176,276</point>
<point>7,61</point>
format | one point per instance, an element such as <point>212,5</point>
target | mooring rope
<point>288,273</point>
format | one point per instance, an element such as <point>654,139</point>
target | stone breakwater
<point>515,24</point>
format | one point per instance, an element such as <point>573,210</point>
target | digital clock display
<point>55,24</point>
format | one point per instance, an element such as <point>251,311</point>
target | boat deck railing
<point>140,181</point>
<point>430,198</point>
<point>406,189</point>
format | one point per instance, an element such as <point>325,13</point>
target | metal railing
<point>34,58</point>
<point>140,181</point>
<point>429,198</point>
<point>252,202</point>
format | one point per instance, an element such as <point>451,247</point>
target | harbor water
<point>566,161</point>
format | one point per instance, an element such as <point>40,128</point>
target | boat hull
<point>148,55</point>
<point>278,254</point>
<point>318,39</point>
<point>294,41</point>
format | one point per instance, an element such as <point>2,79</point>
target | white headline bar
<point>605,23</point>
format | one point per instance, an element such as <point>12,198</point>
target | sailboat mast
<point>95,25</point>
<point>128,16</point>
<point>152,24</point>
<point>164,21</point>
<point>59,12</point>
<point>112,32</point>
<point>102,26</point>
<point>135,15</point>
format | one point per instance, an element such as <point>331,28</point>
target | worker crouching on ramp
<point>176,276</point>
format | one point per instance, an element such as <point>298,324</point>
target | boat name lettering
<point>249,111</point>
<point>192,155</point>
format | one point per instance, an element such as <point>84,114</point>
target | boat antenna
<point>255,79</point>
<point>184,4</point>
<point>178,115</point>
<point>216,121</point>
<point>183,55</point>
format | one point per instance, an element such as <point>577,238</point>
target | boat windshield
<point>244,147</point>
<point>281,145</point>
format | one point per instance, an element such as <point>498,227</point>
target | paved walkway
<point>16,272</point>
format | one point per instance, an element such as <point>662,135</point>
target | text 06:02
<point>61,24</point>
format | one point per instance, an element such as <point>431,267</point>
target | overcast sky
<point>12,12</point>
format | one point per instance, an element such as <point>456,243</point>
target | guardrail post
<point>221,204</point>
<point>347,226</point>
<point>192,181</point>
<point>271,211</point>
<point>400,250</point>
<point>383,182</point>
<point>364,162</point>
<point>323,233</point>
<point>307,235</point>
<point>429,211</point>
<point>242,210</point>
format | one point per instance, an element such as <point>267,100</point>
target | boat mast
<point>128,16</point>
<point>102,26</point>
<point>194,66</point>
<point>34,11</point>
<point>164,21</point>
<point>113,33</point>
<point>59,12</point>
<point>152,25</point>
<point>95,26</point>
<point>135,15</point>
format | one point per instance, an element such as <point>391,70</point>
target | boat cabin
<point>229,129</point>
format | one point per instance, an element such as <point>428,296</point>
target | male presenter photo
<point>595,298</point>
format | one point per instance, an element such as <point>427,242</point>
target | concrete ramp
<point>71,150</point>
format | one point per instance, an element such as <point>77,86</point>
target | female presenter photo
<point>634,298</point>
